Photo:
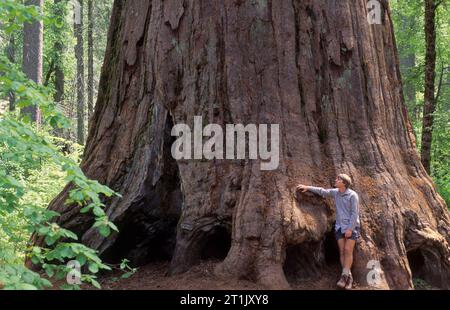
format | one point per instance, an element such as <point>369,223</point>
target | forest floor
<point>201,277</point>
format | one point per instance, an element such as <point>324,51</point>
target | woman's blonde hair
<point>346,179</point>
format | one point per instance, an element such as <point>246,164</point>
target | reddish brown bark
<point>318,69</point>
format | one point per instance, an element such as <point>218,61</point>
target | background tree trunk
<point>33,42</point>
<point>90,58</point>
<point>59,50</point>
<point>11,53</point>
<point>79,55</point>
<point>59,46</point>
<point>318,69</point>
<point>407,64</point>
<point>430,74</point>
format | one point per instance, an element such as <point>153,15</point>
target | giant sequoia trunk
<point>315,67</point>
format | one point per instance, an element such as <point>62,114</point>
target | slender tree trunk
<point>407,64</point>
<point>11,53</point>
<point>79,54</point>
<point>32,56</point>
<point>59,47</point>
<point>430,74</point>
<point>59,77</point>
<point>59,51</point>
<point>319,70</point>
<point>90,58</point>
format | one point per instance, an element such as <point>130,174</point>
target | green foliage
<point>420,284</point>
<point>13,14</point>
<point>440,165</point>
<point>408,18</point>
<point>33,169</point>
<point>31,172</point>
<point>126,269</point>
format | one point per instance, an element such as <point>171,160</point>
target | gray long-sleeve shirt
<point>347,206</point>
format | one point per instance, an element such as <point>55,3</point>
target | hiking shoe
<point>342,281</point>
<point>349,284</point>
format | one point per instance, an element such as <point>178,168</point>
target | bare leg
<point>341,244</point>
<point>348,253</point>
<point>343,279</point>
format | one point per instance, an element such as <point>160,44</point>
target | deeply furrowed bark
<point>319,70</point>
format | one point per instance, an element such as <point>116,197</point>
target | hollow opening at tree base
<point>313,260</point>
<point>423,276</point>
<point>217,244</point>
<point>148,228</point>
<point>141,245</point>
<point>331,249</point>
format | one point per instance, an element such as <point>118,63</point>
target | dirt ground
<point>201,277</point>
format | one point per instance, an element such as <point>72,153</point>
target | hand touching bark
<point>302,187</point>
